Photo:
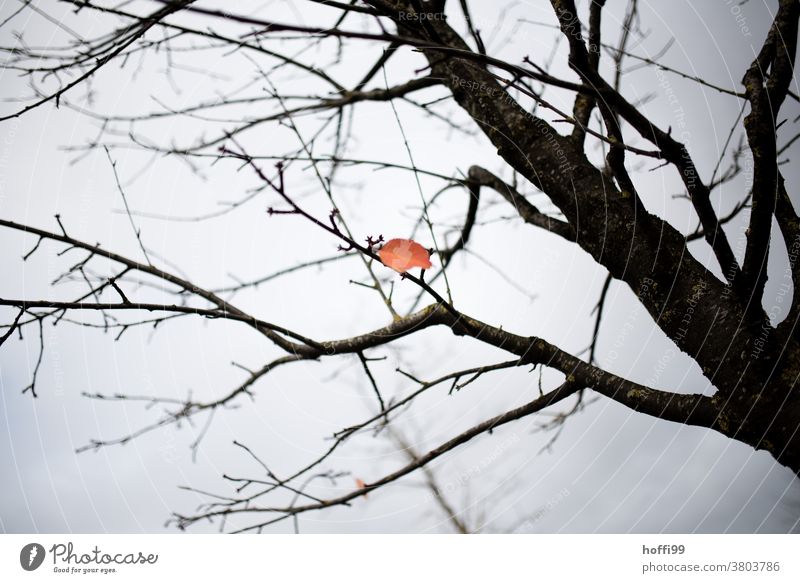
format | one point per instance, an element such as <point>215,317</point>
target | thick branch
<point>584,102</point>
<point>529,213</point>
<point>766,83</point>
<point>673,151</point>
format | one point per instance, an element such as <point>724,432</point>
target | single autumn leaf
<point>404,254</point>
<point>361,484</point>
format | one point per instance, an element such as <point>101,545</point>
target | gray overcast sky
<point>610,470</point>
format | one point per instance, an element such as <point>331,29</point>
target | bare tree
<point>719,321</point>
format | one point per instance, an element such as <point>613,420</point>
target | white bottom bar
<point>401,558</point>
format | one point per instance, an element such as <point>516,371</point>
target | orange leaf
<point>361,484</point>
<point>404,254</point>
